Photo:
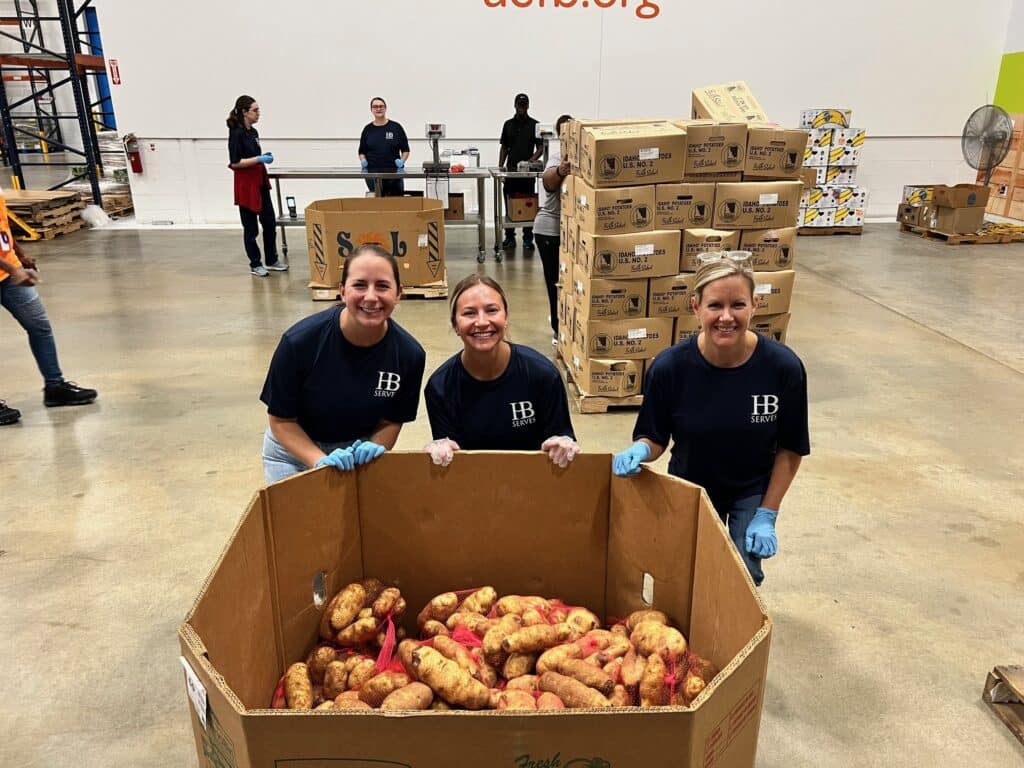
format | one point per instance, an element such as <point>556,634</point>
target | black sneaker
<point>8,415</point>
<point>508,242</point>
<point>67,393</point>
<point>527,245</point>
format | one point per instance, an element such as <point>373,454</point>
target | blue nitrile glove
<point>364,163</point>
<point>399,163</point>
<point>367,451</point>
<point>266,158</point>
<point>761,539</point>
<point>339,458</point>
<point>628,461</point>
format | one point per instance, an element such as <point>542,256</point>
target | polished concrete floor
<point>900,578</point>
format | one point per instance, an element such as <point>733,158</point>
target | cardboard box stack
<point>833,150</point>
<point>956,210</point>
<point>1006,185</point>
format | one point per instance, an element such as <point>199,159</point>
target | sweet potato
<point>533,617</point>
<point>389,603</point>
<point>548,661</point>
<point>516,700</point>
<point>325,705</point>
<point>620,697</point>
<point>535,639</point>
<point>581,621</point>
<point>586,674</point>
<point>493,641</point>
<point>573,693</point>
<point>411,696</point>
<point>691,687</point>
<point>405,649</point>
<point>360,671</point>
<point>317,662</point>
<point>703,668</point>
<point>654,691</point>
<point>360,632</point>
<point>474,622</point>
<point>298,688</point>
<point>480,601</point>
<point>528,683</point>
<point>448,680</point>
<point>377,688</point>
<point>645,615</point>
<point>633,665</point>
<point>340,703</point>
<point>519,603</point>
<point>518,664</point>
<point>438,609</point>
<point>620,629</point>
<point>614,670</point>
<point>617,647</point>
<point>440,705</point>
<point>365,613</point>
<point>458,653</point>
<point>651,638</point>
<point>335,679</point>
<point>346,606</point>
<point>548,700</point>
<point>433,628</point>
<point>488,675</point>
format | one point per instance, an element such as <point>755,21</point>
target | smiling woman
<point>495,395</point>
<point>343,381</point>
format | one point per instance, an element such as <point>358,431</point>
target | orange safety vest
<point>6,240</point>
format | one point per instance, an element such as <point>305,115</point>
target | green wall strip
<point>1010,88</point>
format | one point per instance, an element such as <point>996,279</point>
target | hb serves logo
<point>766,408</point>
<point>522,413</point>
<point>387,383</point>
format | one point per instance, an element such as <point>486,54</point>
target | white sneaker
<point>259,271</point>
<point>277,266</point>
<point>554,341</point>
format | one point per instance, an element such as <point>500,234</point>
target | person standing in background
<point>519,142</point>
<point>252,187</point>
<point>546,224</point>
<point>383,146</point>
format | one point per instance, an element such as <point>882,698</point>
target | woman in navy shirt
<point>734,406</point>
<point>495,395</point>
<point>252,187</point>
<point>383,146</point>
<point>343,381</point>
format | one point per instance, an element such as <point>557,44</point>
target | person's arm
<point>19,275</point>
<point>504,142</point>
<point>235,153</point>
<point>403,145</point>
<point>540,148</point>
<point>386,434</point>
<point>555,175</point>
<point>783,471</point>
<point>295,440</point>
<point>362,144</point>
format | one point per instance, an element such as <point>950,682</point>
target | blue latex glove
<point>761,539</point>
<point>399,163</point>
<point>367,451</point>
<point>628,461</point>
<point>364,164</point>
<point>339,458</point>
<point>266,158</point>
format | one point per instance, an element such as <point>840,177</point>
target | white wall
<point>1015,29</point>
<point>912,72</point>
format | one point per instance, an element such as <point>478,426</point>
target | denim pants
<point>23,302</point>
<point>737,517</point>
<point>251,223</point>
<point>279,464</point>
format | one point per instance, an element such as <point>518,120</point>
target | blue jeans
<point>737,517</point>
<point>279,464</point>
<point>23,302</point>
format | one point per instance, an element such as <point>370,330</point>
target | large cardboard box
<point>818,197</point>
<point>958,221</point>
<point>610,378</point>
<point>770,249</point>
<point>713,178</point>
<point>456,210</point>
<point>651,541</point>
<point>774,152</point>
<point>773,292</point>
<point>678,206</point>
<point>522,207</point>
<point>698,241</point>
<point>728,102</point>
<point>757,205</point>
<point>772,326</point>
<point>567,235</point>
<point>819,137</point>
<point>817,217</point>
<point>914,214</point>
<point>631,339</point>
<point>670,296</point>
<point>685,327</point>
<point>646,254</point>
<point>576,126</point>
<point>849,137</point>
<point>837,174</point>
<point>567,196</point>
<point>918,193</point>
<point>825,117</point>
<point>848,216</point>
<point>618,210</point>
<point>961,196</point>
<point>619,155</point>
<point>815,157</point>
<point>600,299</point>
<point>714,147</point>
<point>855,197</point>
<point>410,228</point>
<point>843,156</point>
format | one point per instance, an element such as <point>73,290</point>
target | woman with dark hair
<point>252,187</point>
<point>495,395</point>
<point>383,146</point>
<point>343,381</point>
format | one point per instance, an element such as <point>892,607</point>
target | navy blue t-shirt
<point>382,145</point>
<point>516,412</point>
<point>243,143</point>
<point>336,390</point>
<point>725,424</point>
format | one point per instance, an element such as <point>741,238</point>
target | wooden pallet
<point>31,203</point>
<point>1004,695</point>
<point>432,291</point>
<point>48,233</point>
<point>585,403</point>
<point>830,231</point>
<point>983,237</point>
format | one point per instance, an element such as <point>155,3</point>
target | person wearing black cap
<point>519,142</point>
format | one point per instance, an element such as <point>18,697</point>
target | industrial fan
<point>986,138</point>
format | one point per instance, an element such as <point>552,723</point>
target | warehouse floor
<point>900,578</point>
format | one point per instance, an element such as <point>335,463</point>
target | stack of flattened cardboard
<point>833,151</point>
<point>47,212</point>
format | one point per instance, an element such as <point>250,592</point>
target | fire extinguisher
<point>131,148</point>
